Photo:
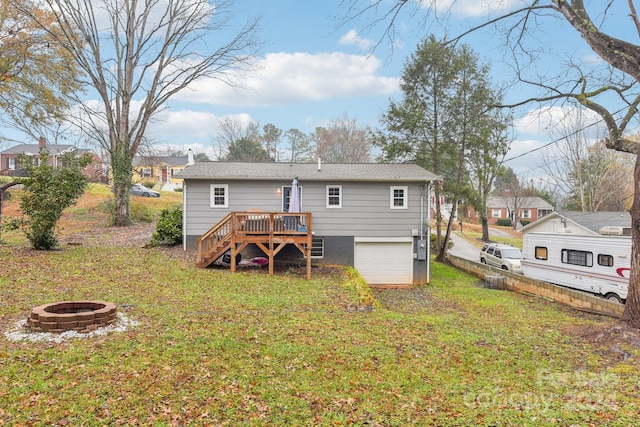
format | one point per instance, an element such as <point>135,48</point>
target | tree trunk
<point>122,167</point>
<point>485,228</point>
<point>632,307</point>
<point>442,251</point>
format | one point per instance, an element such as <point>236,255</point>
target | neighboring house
<point>528,209</point>
<point>582,223</point>
<point>96,171</point>
<point>370,216</point>
<point>160,169</point>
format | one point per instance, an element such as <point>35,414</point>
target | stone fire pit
<point>79,316</point>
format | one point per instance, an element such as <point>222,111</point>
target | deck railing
<point>241,228</point>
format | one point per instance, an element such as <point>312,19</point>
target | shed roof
<point>270,171</point>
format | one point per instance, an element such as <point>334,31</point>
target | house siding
<point>365,208</point>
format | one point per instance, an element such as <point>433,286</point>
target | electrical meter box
<point>422,250</point>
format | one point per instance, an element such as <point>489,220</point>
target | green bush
<point>48,191</point>
<point>505,222</point>
<point>148,184</point>
<point>525,222</point>
<point>169,228</point>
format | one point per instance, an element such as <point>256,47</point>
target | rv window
<point>605,260</point>
<point>541,253</point>
<point>585,259</point>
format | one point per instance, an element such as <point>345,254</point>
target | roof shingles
<point>308,171</point>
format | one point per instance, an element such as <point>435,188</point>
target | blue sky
<point>314,67</point>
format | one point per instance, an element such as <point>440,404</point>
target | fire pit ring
<point>79,316</point>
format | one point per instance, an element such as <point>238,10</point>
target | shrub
<point>148,184</point>
<point>169,228</point>
<point>525,222</point>
<point>506,222</point>
<point>48,191</point>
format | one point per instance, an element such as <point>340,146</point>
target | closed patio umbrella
<point>295,205</point>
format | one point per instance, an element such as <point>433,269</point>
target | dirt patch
<point>132,235</point>
<point>621,340</point>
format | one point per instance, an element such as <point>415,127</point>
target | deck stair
<point>269,231</point>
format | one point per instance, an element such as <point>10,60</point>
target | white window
<point>12,163</point>
<point>146,173</point>
<point>526,213</point>
<point>334,196</point>
<point>399,197</point>
<point>495,213</point>
<point>219,195</point>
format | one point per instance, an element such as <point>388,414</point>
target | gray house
<point>370,216</point>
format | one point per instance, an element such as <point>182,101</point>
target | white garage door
<point>384,262</point>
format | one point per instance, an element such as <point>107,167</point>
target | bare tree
<point>590,177</point>
<point>136,56</point>
<point>484,162</point>
<point>299,145</point>
<point>343,141</point>
<point>612,95</point>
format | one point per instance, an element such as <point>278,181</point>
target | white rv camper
<point>598,264</point>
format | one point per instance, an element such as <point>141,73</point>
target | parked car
<point>502,256</point>
<point>141,190</point>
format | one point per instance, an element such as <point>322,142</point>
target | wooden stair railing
<point>269,231</point>
<point>215,242</point>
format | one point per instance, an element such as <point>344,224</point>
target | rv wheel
<point>613,298</point>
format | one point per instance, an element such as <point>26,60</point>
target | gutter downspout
<point>428,225</point>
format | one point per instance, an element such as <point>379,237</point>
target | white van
<point>502,256</point>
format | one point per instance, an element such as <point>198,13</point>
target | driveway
<point>463,249</point>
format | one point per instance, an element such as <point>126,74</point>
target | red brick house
<point>96,171</point>
<point>526,209</point>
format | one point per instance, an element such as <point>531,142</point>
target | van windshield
<point>511,253</point>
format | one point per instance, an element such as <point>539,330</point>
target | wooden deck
<point>269,231</point>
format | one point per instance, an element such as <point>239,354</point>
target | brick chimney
<point>42,143</point>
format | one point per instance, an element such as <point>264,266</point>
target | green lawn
<point>216,348</point>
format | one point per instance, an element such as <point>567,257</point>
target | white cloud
<point>558,121</point>
<point>289,78</point>
<point>470,8</point>
<point>352,38</point>
<point>188,126</point>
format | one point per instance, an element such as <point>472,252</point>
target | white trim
<point>405,197</point>
<point>339,196</point>
<point>382,239</point>
<point>212,188</point>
